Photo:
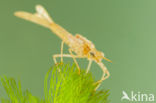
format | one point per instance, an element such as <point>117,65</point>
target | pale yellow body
<point>78,44</point>
<point>74,43</point>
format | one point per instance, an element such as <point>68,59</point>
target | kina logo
<point>125,96</point>
<point>137,96</point>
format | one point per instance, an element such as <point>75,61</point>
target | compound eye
<point>92,54</point>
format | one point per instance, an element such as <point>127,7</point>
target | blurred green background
<point>125,30</point>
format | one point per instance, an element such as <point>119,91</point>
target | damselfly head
<point>98,56</point>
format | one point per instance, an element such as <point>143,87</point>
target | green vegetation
<point>62,84</point>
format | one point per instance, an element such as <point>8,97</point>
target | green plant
<point>62,84</point>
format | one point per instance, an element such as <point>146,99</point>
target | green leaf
<point>62,84</point>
